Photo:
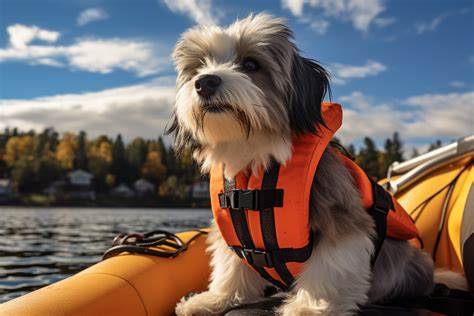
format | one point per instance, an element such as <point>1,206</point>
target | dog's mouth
<point>215,108</point>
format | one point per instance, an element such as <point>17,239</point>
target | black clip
<point>251,199</point>
<point>255,257</point>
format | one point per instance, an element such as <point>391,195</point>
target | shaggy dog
<point>242,92</point>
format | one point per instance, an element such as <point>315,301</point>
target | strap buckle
<point>245,199</point>
<point>255,257</point>
<point>382,199</point>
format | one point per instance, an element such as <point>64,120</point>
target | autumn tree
<point>19,148</point>
<point>153,168</point>
<point>100,160</point>
<point>66,151</point>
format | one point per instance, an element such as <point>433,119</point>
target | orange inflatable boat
<point>436,189</point>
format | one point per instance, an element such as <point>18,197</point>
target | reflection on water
<point>42,246</point>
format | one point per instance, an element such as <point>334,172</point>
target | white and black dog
<point>242,92</point>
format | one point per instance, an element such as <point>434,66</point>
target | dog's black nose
<point>207,85</point>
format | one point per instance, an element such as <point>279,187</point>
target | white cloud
<point>88,54</point>
<point>419,119</point>
<point>361,13</point>
<point>341,73</point>
<point>91,15</point>
<point>22,35</point>
<point>423,27</point>
<point>384,22</point>
<point>200,11</point>
<point>295,6</point>
<point>319,26</point>
<point>457,84</point>
<point>138,110</point>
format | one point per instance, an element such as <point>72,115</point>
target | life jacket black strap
<point>383,203</point>
<point>244,199</point>
<point>268,258</point>
<point>239,221</point>
<point>268,226</point>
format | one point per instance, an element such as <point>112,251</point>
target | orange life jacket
<point>264,218</point>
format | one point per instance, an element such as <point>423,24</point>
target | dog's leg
<point>335,280</point>
<point>232,283</point>
<point>401,271</point>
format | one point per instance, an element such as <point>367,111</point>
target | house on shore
<point>6,190</point>
<point>144,187</point>
<point>79,184</point>
<point>122,190</point>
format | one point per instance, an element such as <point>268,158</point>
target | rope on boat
<point>160,243</point>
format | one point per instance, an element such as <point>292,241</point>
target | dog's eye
<point>250,64</point>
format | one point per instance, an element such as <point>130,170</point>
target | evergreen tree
<point>53,141</point>
<point>351,150</point>
<point>437,144</point>
<point>45,171</point>
<point>22,176</point>
<point>368,158</point>
<point>119,163</point>
<point>162,150</point>
<point>81,161</point>
<point>397,148</point>
<point>4,139</point>
<point>393,151</point>
<point>42,142</point>
<point>136,155</point>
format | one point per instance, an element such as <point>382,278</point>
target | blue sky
<point>104,66</point>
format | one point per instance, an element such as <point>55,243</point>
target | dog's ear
<point>310,83</point>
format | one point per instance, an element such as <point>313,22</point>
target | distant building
<point>55,188</point>
<point>144,187</point>
<point>5,187</point>
<point>200,190</point>
<point>80,184</point>
<point>80,178</point>
<point>122,190</point>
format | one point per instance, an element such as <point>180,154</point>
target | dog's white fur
<point>255,126</point>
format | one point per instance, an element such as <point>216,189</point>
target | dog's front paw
<point>205,303</point>
<point>303,307</point>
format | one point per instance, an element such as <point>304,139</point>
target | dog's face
<point>247,79</point>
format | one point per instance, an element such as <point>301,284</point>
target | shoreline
<point>39,200</point>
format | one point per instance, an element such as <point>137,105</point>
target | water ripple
<point>42,246</point>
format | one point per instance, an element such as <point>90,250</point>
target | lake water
<point>39,246</point>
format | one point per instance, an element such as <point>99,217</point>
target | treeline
<point>377,161</point>
<point>34,160</point>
